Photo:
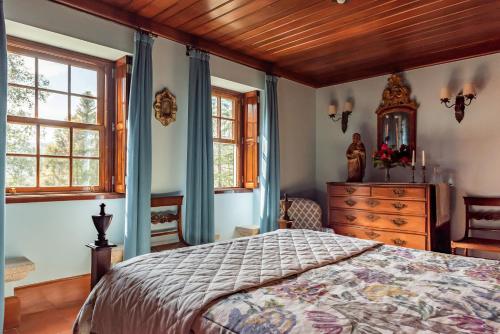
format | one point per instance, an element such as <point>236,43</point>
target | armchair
<point>304,214</point>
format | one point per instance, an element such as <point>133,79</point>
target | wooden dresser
<point>401,214</point>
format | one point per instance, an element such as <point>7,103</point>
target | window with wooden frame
<point>60,115</point>
<point>235,137</point>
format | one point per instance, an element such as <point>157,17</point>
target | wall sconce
<point>332,113</point>
<point>464,98</point>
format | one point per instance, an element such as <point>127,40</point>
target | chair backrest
<point>305,213</point>
<point>490,214</point>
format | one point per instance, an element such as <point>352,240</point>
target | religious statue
<point>356,159</point>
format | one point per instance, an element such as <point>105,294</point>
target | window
<point>234,126</point>
<point>59,133</point>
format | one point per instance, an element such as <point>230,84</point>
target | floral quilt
<point>384,290</point>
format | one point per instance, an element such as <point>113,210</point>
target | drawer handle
<point>399,205</point>
<point>350,190</point>
<point>372,235</point>
<point>399,221</point>
<point>398,192</point>
<point>372,218</point>
<point>350,202</point>
<point>350,218</point>
<point>399,242</point>
<point>372,203</point>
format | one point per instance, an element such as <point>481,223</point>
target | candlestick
<point>412,174</point>
<point>424,179</point>
<point>423,158</point>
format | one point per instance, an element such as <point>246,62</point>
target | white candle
<point>445,93</point>
<point>348,106</point>
<point>423,158</point>
<point>332,110</point>
<point>468,89</point>
<point>413,159</point>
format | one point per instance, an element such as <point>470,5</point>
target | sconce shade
<point>332,109</point>
<point>348,106</point>
<point>469,90</point>
<point>445,93</point>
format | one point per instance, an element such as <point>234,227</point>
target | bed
<point>296,281</point>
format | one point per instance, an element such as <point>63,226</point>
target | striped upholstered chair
<point>305,214</point>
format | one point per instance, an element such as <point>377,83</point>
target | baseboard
<point>53,294</point>
<point>12,315</point>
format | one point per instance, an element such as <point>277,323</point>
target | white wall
<point>296,105</point>
<point>467,150</point>
<point>53,235</point>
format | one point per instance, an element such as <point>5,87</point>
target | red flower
<point>384,147</point>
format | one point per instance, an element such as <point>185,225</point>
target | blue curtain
<point>199,227</point>
<point>270,159</point>
<point>138,182</point>
<point>3,140</point>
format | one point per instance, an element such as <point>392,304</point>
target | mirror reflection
<point>396,129</point>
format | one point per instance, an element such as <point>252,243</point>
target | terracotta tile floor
<point>55,321</point>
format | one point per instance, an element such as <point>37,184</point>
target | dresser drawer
<point>347,189</point>
<point>379,205</point>
<point>399,192</point>
<point>389,238</point>
<point>376,220</point>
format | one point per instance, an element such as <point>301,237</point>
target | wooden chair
<point>471,214</point>
<point>163,217</point>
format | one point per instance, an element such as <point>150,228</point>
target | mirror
<point>396,115</point>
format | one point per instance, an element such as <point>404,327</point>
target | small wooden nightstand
<point>284,224</point>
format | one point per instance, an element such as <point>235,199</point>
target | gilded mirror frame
<point>396,97</point>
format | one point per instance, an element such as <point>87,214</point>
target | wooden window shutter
<point>123,70</point>
<point>251,107</point>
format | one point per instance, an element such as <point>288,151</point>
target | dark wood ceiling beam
<point>134,21</point>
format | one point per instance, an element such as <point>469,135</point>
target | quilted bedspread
<point>165,292</point>
<point>383,290</point>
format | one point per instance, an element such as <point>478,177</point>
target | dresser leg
<point>453,251</point>
<point>466,252</point>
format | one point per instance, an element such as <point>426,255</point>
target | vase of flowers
<point>387,158</point>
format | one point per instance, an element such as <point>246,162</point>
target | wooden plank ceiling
<point>318,42</point>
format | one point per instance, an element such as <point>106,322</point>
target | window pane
<point>215,128</point>
<point>54,141</point>
<point>53,106</point>
<point>21,101</point>
<point>226,108</point>
<point>83,81</point>
<point>54,172</point>
<point>21,69</point>
<point>214,105</point>
<point>224,165</point>
<point>20,172</point>
<point>226,128</point>
<point>83,110</point>
<point>85,143</point>
<point>21,138</point>
<point>85,172</point>
<point>52,75</point>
